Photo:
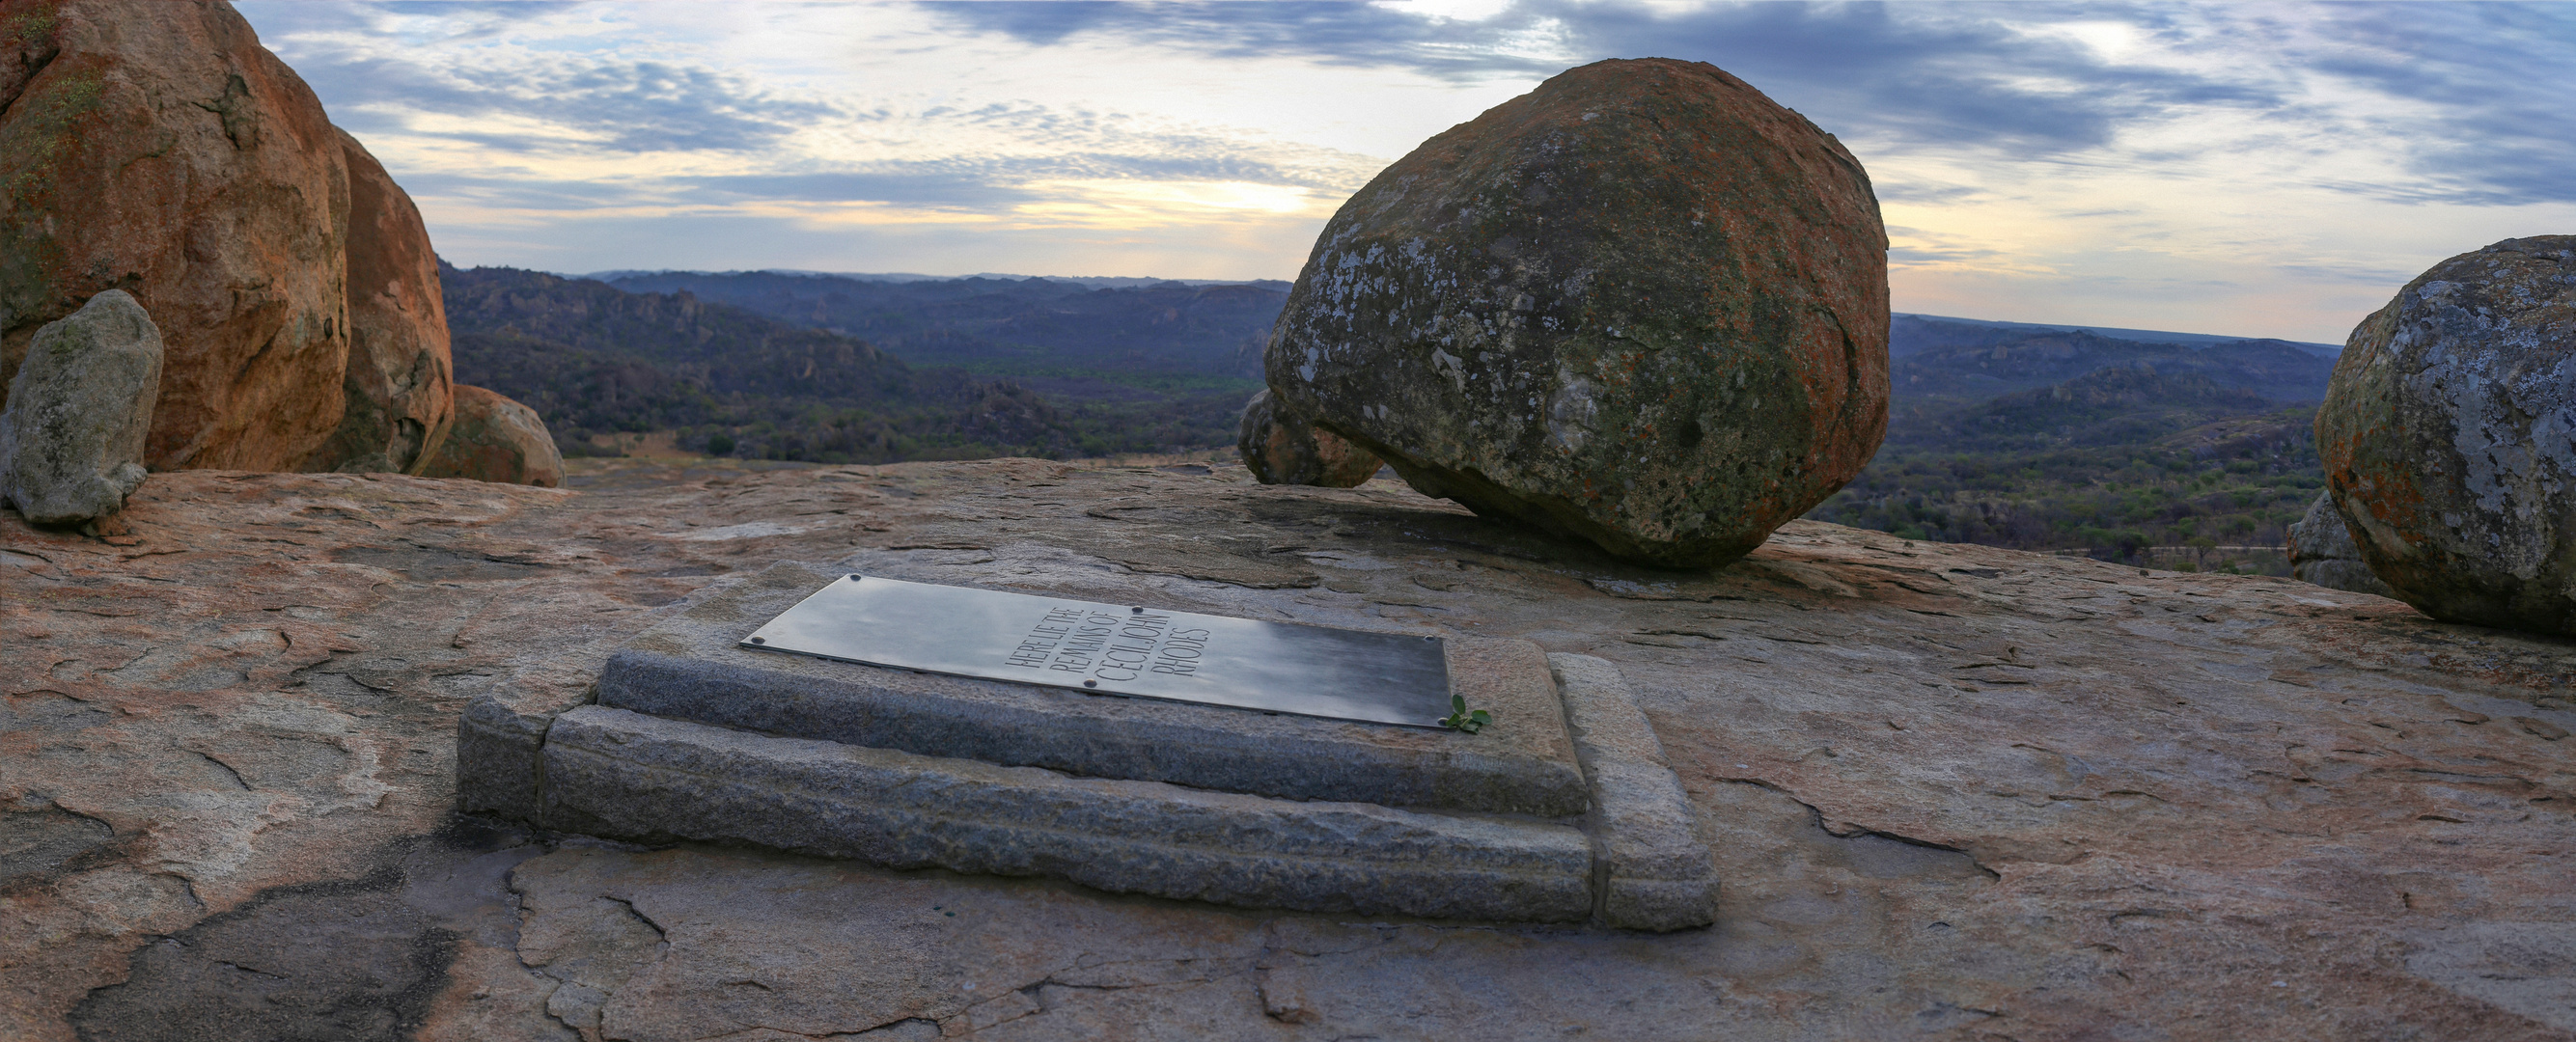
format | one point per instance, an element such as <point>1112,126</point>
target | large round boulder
<point>1643,305</point>
<point>159,149</point>
<point>2449,437</point>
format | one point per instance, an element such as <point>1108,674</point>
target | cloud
<point>545,99</point>
<point>996,181</point>
<point>2485,117</point>
<point>2473,95</point>
<point>1330,33</point>
<point>2090,163</point>
<point>1942,73</point>
<point>527,192</point>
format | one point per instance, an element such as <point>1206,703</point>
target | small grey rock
<point>71,437</point>
<point>2449,437</point>
<point>2322,552</point>
<point>1281,447</point>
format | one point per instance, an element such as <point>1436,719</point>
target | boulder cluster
<point>1642,305</point>
<point>159,151</point>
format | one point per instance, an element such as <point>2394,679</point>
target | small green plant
<point>1462,719</point>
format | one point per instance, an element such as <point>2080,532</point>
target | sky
<point>2248,169</point>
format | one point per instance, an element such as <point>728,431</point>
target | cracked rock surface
<point>1953,791</point>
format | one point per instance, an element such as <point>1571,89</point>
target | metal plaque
<point>1118,649</point>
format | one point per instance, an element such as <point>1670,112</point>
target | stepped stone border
<point>1631,859</point>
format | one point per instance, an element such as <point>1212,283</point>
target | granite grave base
<point>1562,811</point>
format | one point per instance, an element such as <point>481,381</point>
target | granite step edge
<point>1654,872</point>
<point>619,774</point>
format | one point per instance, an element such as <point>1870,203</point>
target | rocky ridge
<point>1955,792</point>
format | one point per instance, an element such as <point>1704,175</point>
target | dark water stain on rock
<point>353,959</point>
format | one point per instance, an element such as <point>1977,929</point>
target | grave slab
<point>1128,650</point>
<point>691,667</point>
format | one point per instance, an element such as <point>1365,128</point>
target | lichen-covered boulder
<point>2322,552</point>
<point>492,438</point>
<point>2449,437</point>
<point>1282,448</point>
<point>395,392</point>
<point>71,436</point>
<point>1642,304</point>
<point>159,149</point>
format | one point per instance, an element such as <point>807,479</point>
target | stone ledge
<point>621,774</point>
<point>1654,873</point>
<point>500,759</point>
<point>689,667</point>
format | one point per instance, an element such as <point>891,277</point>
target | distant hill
<point>1023,327</point>
<point>1084,281</point>
<point>2274,369</point>
<point>591,358</point>
<point>2103,407</point>
<point>1909,333</point>
<point>2113,460</point>
<point>1139,365</point>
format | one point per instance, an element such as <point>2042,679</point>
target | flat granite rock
<point>1955,792</point>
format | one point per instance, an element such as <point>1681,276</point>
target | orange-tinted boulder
<point>157,148</point>
<point>492,438</point>
<point>395,390</point>
<point>1643,305</point>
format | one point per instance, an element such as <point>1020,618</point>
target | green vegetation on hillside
<point>1160,367</point>
<point>2113,462</point>
<point>2270,368</point>
<point>595,359</point>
